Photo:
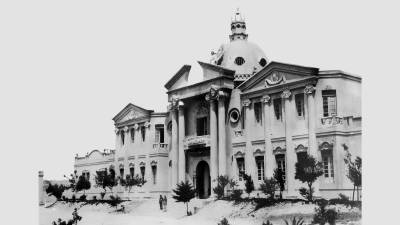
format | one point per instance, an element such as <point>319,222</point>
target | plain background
<point>67,67</point>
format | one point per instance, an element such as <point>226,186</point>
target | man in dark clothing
<point>160,201</point>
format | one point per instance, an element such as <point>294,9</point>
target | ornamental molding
<point>286,94</point>
<point>142,164</point>
<point>266,99</point>
<point>116,131</point>
<point>153,163</point>
<point>131,165</point>
<point>126,130</point>
<point>246,103</point>
<point>274,79</point>
<point>216,94</point>
<point>136,126</point>
<point>239,154</point>
<point>258,152</point>
<point>121,166</point>
<point>278,150</point>
<point>147,124</point>
<point>300,148</point>
<point>325,146</point>
<point>309,90</point>
<point>174,103</point>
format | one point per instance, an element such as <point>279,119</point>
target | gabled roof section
<point>276,73</point>
<point>212,71</point>
<point>131,112</point>
<point>181,77</point>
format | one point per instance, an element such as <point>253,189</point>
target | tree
<point>132,181</point>
<point>268,187</point>
<point>249,184</point>
<point>222,181</point>
<point>73,179</point>
<point>278,176</point>
<point>308,169</point>
<point>354,170</point>
<point>55,190</point>
<point>82,184</point>
<point>184,192</point>
<point>105,180</point>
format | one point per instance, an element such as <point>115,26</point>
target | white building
<point>247,114</point>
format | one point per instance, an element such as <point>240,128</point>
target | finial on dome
<point>238,27</point>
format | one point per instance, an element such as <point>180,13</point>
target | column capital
<point>213,94</point>
<point>126,129</point>
<point>286,94</point>
<point>221,95</point>
<point>309,90</point>
<point>266,99</point>
<point>116,130</point>
<point>174,103</point>
<point>246,103</point>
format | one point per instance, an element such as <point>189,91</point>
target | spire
<point>238,27</point>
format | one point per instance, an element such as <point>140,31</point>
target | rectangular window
<point>154,171</point>
<point>278,108</point>
<point>159,133</point>
<point>329,102</point>
<point>143,131</point>
<point>121,172</point>
<point>201,126</point>
<point>241,168</point>
<point>142,171</point>
<point>260,167</point>
<point>327,161</point>
<point>258,111</point>
<point>132,171</point>
<point>299,99</point>
<point>133,135</point>
<point>280,162</point>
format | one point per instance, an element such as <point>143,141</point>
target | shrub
<point>64,198</point>
<point>236,195</point>
<point>55,190</point>
<point>249,184</point>
<point>322,215</point>
<point>295,221</point>
<point>306,193</point>
<point>268,187</point>
<point>82,198</point>
<point>82,184</point>
<point>278,176</point>
<point>222,181</point>
<point>114,200</point>
<point>73,198</point>
<point>224,221</point>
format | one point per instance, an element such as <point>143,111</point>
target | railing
<point>160,146</point>
<point>203,140</point>
<point>338,121</point>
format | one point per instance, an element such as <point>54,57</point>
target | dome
<point>242,56</point>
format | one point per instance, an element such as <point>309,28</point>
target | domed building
<point>247,115</point>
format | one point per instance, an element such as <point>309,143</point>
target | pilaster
<point>210,97</point>
<point>269,159</point>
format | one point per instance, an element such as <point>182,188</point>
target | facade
<point>248,114</point>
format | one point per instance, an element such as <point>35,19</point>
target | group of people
<point>74,220</point>
<point>163,203</point>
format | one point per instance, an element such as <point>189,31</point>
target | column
<point>118,147</point>
<point>312,137</point>
<point>213,142</point>
<point>221,134</point>
<point>41,196</point>
<point>290,153</point>
<point>126,149</point>
<point>249,160</point>
<point>181,137</point>
<point>269,158</point>
<point>174,148</point>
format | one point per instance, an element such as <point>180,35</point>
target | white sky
<point>70,66</point>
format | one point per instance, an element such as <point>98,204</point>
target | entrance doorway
<point>203,180</point>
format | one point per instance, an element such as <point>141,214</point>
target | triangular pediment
<point>180,79</point>
<point>131,112</point>
<point>278,74</point>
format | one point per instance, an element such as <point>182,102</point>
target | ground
<point>146,211</point>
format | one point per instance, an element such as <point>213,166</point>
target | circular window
<point>234,115</point>
<point>262,62</point>
<point>239,61</point>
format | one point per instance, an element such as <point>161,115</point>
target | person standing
<point>160,201</point>
<point>165,203</point>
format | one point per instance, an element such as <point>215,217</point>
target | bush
<point>64,198</point>
<point>73,198</point>
<point>55,190</point>
<point>184,192</point>
<point>82,198</point>
<point>222,181</point>
<point>114,200</point>
<point>224,221</point>
<point>249,184</point>
<point>268,187</point>
<point>306,193</point>
<point>236,195</point>
<point>322,215</point>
